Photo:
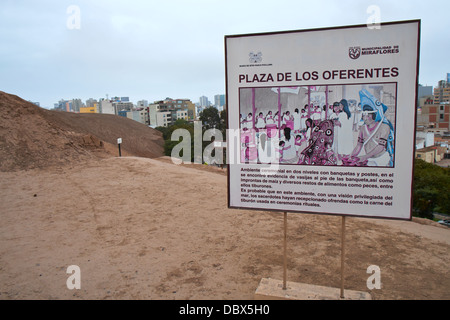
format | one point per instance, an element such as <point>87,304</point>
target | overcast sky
<point>173,48</point>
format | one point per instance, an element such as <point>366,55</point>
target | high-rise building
<point>442,92</point>
<point>92,106</point>
<point>77,104</point>
<point>219,101</point>
<point>73,105</point>
<point>424,91</point>
<point>61,105</point>
<point>204,102</point>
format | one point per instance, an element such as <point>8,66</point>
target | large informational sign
<point>323,120</point>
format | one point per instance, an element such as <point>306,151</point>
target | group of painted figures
<point>321,136</point>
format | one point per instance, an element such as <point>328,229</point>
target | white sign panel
<point>323,120</point>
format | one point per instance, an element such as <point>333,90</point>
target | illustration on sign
<point>340,125</point>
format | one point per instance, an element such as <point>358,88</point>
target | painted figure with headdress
<point>376,136</point>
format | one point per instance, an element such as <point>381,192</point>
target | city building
<point>136,115</point>
<point>122,106</point>
<point>114,105</point>
<point>123,114</point>
<point>431,154</point>
<point>442,92</point>
<point>163,119</point>
<point>77,104</point>
<point>61,105</point>
<point>106,107</point>
<point>423,91</point>
<point>433,122</point>
<point>192,113</point>
<point>165,112</point>
<point>204,102</point>
<point>423,110</point>
<point>92,104</point>
<point>433,111</point>
<point>35,103</point>
<point>88,110</point>
<point>142,104</point>
<point>73,105</point>
<point>434,117</point>
<point>219,101</point>
<point>67,106</point>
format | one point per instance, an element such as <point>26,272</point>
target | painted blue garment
<point>368,99</point>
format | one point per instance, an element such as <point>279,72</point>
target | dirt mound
<point>33,137</point>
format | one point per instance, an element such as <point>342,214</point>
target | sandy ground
<point>143,228</point>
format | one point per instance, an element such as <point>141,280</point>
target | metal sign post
<point>119,142</point>
<point>285,252</point>
<point>342,255</point>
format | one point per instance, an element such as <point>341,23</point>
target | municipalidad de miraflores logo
<point>255,59</point>
<point>356,52</point>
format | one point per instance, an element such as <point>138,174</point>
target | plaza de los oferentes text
<point>342,74</point>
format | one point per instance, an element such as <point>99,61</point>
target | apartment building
<point>433,112</point>
<point>165,112</point>
<point>442,92</point>
<point>114,106</point>
<point>138,115</point>
<point>433,116</point>
<point>433,120</point>
<point>106,106</point>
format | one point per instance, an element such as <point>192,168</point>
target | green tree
<point>169,144</point>
<point>210,118</point>
<point>223,129</point>
<point>223,120</point>
<point>164,131</point>
<point>431,189</point>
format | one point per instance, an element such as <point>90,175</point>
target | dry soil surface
<point>142,228</point>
